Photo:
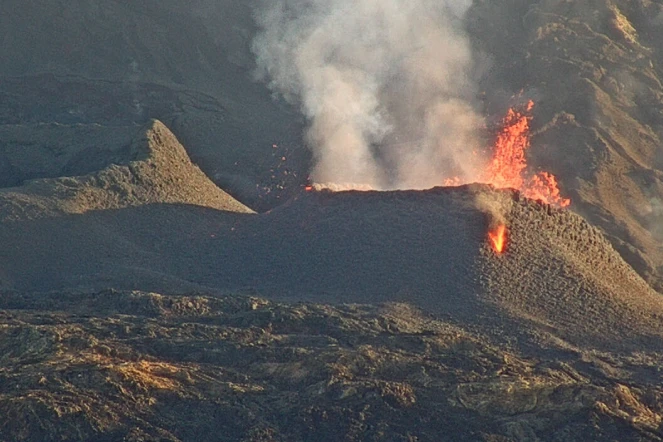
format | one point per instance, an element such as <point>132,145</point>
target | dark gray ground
<point>187,64</point>
<point>165,227</point>
<point>153,222</point>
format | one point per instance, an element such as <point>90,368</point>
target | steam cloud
<point>386,86</point>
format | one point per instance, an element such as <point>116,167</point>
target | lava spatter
<point>508,166</point>
<point>498,237</point>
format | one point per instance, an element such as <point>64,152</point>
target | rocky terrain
<point>164,275</point>
<point>157,223</point>
<point>123,316</point>
<point>148,367</point>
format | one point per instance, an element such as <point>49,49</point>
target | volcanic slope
<point>593,69</point>
<point>165,227</point>
<point>558,279</point>
<point>65,169</point>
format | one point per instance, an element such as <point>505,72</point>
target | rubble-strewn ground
<point>141,366</point>
<point>557,339</point>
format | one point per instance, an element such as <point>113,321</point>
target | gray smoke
<point>386,86</point>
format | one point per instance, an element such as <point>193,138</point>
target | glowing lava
<point>508,166</point>
<point>508,169</point>
<point>498,238</point>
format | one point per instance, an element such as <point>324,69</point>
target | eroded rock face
<point>145,366</point>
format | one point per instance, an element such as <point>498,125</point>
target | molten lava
<point>508,169</point>
<point>498,238</point>
<point>508,166</point>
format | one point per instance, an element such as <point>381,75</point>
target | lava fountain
<point>497,238</point>
<point>508,165</point>
<point>507,168</point>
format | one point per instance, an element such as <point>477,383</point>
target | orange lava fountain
<point>498,238</point>
<point>508,166</point>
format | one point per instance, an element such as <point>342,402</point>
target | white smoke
<point>386,86</point>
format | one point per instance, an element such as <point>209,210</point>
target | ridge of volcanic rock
<point>153,168</point>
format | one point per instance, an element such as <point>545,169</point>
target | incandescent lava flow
<point>506,168</point>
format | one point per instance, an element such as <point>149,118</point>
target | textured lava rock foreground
<point>138,366</point>
<point>141,302</point>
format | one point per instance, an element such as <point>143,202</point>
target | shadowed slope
<point>559,279</point>
<point>188,65</point>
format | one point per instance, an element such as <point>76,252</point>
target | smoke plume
<point>386,86</point>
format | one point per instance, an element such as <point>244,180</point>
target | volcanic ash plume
<point>384,84</point>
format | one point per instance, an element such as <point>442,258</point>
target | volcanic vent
<point>431,248</point>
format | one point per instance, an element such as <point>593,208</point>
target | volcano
<point>168,272</point>
<point>177,230</point>
<point>559,291</point>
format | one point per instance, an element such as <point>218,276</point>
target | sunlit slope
<point>130,365</point>
<point>59,169</point>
